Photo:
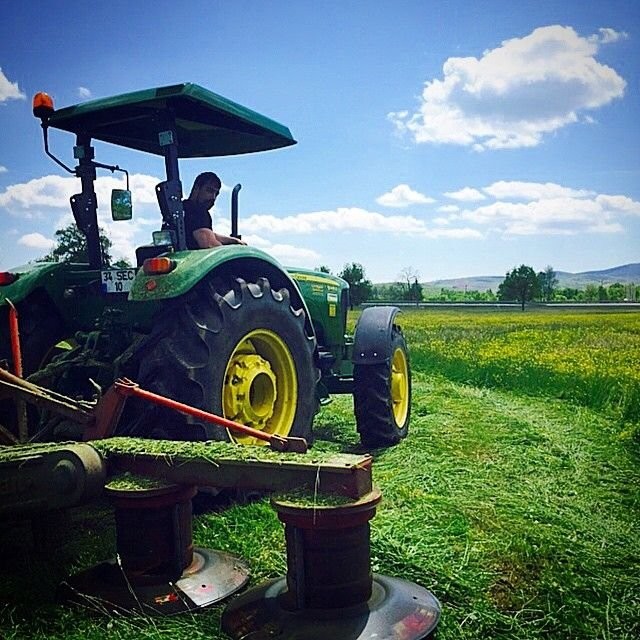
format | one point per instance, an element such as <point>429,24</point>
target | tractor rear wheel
<point>243,354</point>
<point>382,396</point>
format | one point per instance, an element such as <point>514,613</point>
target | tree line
<point>522,284</point>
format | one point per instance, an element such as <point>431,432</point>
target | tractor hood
<point>206,124</point>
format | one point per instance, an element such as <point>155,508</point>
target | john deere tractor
<point>228,330</point>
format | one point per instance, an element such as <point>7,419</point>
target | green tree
<point>361,289</point>
<point>590,294</point>
<point>408,283</point>
<point>387,292</point>
<point>323,268</point>
<point>415,291</point>
<point>548,281</point>
<point>71,246</point>
<point>521,283</point>
<point>603,296</point>
<point>568,293</point>
<point>616,292</point>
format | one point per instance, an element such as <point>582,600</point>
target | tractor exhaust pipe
<point>234,212</point>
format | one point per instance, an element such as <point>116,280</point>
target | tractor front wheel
<point>382,395</point>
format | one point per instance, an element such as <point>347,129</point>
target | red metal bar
<point>14,333</point>
<point>129,388</point>
<point>16,354</point>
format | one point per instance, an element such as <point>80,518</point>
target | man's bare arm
<point>207,239</point>
<point>228,239</point>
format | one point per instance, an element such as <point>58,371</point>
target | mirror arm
<point>112,168</point>
<point>45,130</point>
<point>96,165</point>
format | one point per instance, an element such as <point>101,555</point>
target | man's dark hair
<point>206,178</point>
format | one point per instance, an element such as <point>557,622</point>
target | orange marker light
<point>158,266</point>
<point>42,105</point>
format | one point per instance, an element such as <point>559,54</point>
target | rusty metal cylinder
<point>153,532</point>
<point>328,553</point>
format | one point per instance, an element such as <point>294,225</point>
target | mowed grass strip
<point>519,512</point>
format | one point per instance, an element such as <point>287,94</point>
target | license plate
<point>117,280</point>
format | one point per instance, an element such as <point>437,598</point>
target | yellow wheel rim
<point>260,388</point>
<point>400,386</point>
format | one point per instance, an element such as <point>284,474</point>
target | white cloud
<point>516,190</point>
<point>143,189</point>
<point>48,191</point>
<point>342,219</point>
<point>403,196</point>
<point>55,191</point>
<point>516,93</point>
<point>622,204</point>
<point>547,209</point>
<point>124,236</point>
<point>285,253</point>
<point>36,241</point>
<point>3,169</point>
<point>84,93</point>
<point>607,35</point>
<point>288,253</point>
<point>449,208</point>
<point>466,194</point>
<point>456,234</point>
<point>9,90</point>
<point>47,198</point>
<point>29,199</point>
<point>606,227</point>
<point>345,219</point>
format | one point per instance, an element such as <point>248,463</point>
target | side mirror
<point>121,208</point>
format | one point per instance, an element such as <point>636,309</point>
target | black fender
<point>372,340</point>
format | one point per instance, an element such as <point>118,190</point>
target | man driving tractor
<point>197,219</point>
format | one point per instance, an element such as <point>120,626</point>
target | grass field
<point>515,498</point>
<point>588,357</point>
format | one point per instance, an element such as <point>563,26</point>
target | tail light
<point>6,277</point>
<point>158,266</point>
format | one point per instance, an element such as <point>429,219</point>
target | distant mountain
<point>624,274</point>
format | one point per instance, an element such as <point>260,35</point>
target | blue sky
<point>453,139</point>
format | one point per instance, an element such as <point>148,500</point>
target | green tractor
<point>228,330</point>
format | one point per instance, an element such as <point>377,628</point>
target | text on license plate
<point>117,280</point>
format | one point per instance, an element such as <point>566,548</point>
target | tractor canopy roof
<point>205,123</point>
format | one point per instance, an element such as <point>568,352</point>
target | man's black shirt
<point>196,216</point>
